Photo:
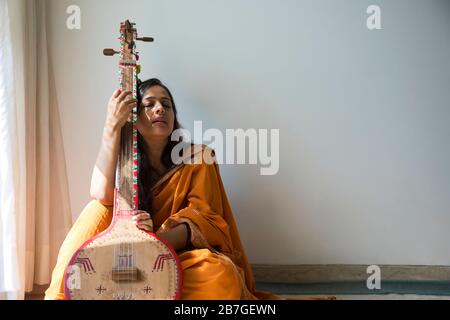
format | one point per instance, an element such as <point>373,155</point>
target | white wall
<point>363,115</point>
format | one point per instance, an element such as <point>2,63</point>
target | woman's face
<point>156,118</point>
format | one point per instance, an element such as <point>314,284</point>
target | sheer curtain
<point>10,244</point>
<point>34,199</point>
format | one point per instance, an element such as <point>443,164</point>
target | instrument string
<point>127,269</point>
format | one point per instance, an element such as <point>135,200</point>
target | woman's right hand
<point>120,106</point>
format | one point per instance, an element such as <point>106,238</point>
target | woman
<point>187,202</point>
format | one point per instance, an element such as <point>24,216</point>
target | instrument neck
<point>126,194</point>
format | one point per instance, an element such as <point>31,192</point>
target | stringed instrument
<point>124,262</point>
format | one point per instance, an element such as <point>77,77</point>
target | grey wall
<point>363,115</point>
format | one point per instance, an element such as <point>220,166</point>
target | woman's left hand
<point>176,236</point>
<point>143,220</point>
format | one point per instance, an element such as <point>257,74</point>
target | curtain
<point>34,199</point>
<point>9,242</point>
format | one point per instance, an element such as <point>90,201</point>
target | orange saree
<point>215,266</point>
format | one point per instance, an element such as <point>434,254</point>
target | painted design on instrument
<point>100,289</point>
<point>127,64</point>
<point>87,264</point>
<point>125,213</point>
<point>147,289</point>
<point>159,262</point>
<point>123,296</point>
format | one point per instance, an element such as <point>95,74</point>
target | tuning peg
<point>110,52</point>
<point>145,39</point>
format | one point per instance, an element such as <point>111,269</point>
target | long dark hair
<point>147,174</point>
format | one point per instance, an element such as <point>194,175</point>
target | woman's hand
<point>177,236</point>
<point>143,220</point>
<point>120,106</point>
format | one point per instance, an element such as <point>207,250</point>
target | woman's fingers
<point>145,225</point>
<point>141,216</point>
<point>143,221</point>
<point>141,212</point>
<point>119,108</point>
<point>130,103</point>
<point>116,93</point>
<point>123,95</point>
